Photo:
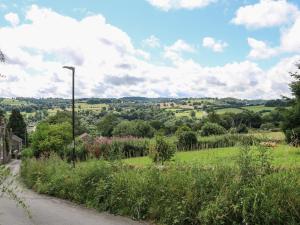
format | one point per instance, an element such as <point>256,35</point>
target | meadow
<point>281,156</point>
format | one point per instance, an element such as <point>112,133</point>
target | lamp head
<point>69,67</point>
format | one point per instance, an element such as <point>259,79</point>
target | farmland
<point>282,156</point>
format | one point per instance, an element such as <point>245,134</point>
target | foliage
<point>291,124</point>
<point>65,116</point>
<point>161,150</point>
<point>181,130</point>
<point>51,138</point>
<point>178,194</point>
<point>212,129</point>
<point>107,124</point>
<point>27,153</point>
<point>116,147</point>
<point>137,128</point>
<point>17,124</point>
<point>187,140</point>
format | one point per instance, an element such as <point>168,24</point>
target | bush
<point>212,129</point>
<point>242,129</point>
<point>187,140</point>
<point>267,126</point>
<point>27,153</point>
<point>161,150</point>
<point>293,136</point>
<point>117,147</point>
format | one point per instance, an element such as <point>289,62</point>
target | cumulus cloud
<point>152,42</point>
<point>109,65</point>
<point>175,51</point>
<point>290,37</point>
<point>266,13</point>
<point>215,45</point>
<point>12,18</point>
<point>260,50</point>
<point>167,5</point>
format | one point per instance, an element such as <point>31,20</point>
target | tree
<point>187,140</point>
<point>17,124</point>
<point>212,129</point>
<point>65,116</point>
<point>51,138</point>
<point>291,123</point>
<point>107,124</point>
<point>137,128</point>
<point>161,150</point>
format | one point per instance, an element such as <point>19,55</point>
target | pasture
<point>282,156</point>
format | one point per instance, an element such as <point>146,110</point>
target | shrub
<point>267,126</point>
<point>212,129</point>
<point>117,147</point>
<point>27,153</point>
<point>242,129</point>
<point>161,150</point>
<point>293,136</point>
<point>187,140</point>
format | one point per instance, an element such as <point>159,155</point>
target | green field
<point>13,102</point>
<point>229,110</point>
<point>282,156</point>
<point>258,108</point>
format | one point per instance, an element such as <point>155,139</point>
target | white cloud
<point>152,42</point>
<point>109,65</point>
<point>266,13</point>
<point>215,45</point>
<point>12,18</point>
<point>167,5</point>
<point>290,37</point>
<point>174,51</point>
<point>260,50</point>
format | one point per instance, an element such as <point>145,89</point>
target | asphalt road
<point>52,211</point>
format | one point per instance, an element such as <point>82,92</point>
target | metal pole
<point>73,113</point>
<point>73,110</point>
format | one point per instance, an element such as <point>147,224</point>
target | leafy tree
<point>291,124</point>
<point>161,150</point>
<point>182,129</point>
<point>187,140</point>
<point>65,116</point>
<point>51,138</point>
<point>17,124</point>
<point>137,128</point>
<point>212,129</point>
<point>107,124</point>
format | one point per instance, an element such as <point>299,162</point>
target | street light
<point>73,110</point>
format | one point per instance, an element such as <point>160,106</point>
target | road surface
<point>52,211</point>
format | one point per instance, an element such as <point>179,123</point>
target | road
<point>47,210</point>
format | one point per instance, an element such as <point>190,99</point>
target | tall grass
<point>177,194</point>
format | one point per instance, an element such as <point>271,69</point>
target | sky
<point>151,48</point>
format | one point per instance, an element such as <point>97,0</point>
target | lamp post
<point>73,110</point>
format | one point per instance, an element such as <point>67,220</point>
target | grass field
<point>258,108</point>
<point>282,156</point>
<point>13,102</point>
<point>229,110</point>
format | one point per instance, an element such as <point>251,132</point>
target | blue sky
<point>227,34</point>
